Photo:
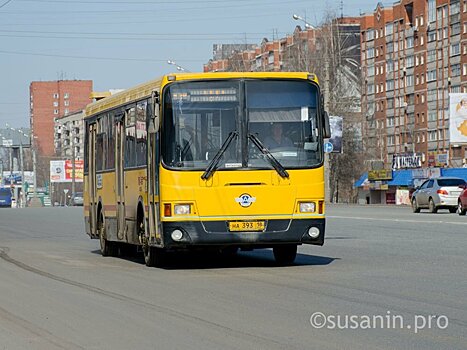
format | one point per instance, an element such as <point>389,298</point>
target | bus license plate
<point>246,226</point>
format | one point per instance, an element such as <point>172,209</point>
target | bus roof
<point>145,90</point>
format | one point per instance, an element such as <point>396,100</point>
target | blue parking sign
<point>328,147</point>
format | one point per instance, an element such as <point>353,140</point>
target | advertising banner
<point>336,124</point>
<point>458,118</point>
<point>62,170</point>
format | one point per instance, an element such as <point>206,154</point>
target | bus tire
<point>154,257</point>
<point>107,248</point>
<point>285,254</point>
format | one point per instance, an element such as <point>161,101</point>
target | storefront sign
<point>406,161</point>
<point>384,174</point>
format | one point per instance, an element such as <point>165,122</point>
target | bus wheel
<point>107,248</point>
<point>285,254</point>
<point>153,256</point>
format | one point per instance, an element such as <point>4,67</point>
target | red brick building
<point>52,99</point>
<point>414,54</point>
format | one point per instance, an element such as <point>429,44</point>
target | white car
<point>439,193</point>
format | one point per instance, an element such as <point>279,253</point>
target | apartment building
<point>414,55</point>
<point>69,136</point>
<point>49,100</point>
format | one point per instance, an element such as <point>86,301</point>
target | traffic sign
<point>328,147</point>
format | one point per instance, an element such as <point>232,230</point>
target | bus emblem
<point>245,200</point>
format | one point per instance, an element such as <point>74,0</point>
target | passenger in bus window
<point>277,139</point>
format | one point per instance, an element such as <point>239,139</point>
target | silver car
<point>440,193</point>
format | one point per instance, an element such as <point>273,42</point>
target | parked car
<point>77,199</point>
<point>439,193</point>
<point>462,201</point>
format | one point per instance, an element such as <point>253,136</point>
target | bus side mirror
<point>327,127</point>
<point>154,122</point>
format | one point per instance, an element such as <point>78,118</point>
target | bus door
<point>153,169</point>
<point>153,184</point>
<point>92,178</point>
<point>119,175</point>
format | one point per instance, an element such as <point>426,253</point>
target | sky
<point>119,44</point>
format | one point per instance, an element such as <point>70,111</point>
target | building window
<point>409,80</point>
<point>431,11</point>
<point>55,111</point>
<point>389,29</point>
<point>455,8</point>
<point>389,47</point>
<point>455,49</point>
<point>371,71</point>
<point>389,85</point>
<point>455,28</point>
<point>431,75</point>
<point>409,61</point>
<point>389,66</point>
<point>431,36</point>
<point>55,103</point>
<point>409,42</point>
<point>432,135</point>
<point>66,95</point>
<point>370,34</point>
<point>55,95</point>
<point>390,139</point>
<point>67,103</point>
<point>456,70</point>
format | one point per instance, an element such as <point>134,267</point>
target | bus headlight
<point>182,209</point>
<point>313,232</point>
<point>307,207</point>
<point>177,235</point>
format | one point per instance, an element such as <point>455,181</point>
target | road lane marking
<point>396,220</point>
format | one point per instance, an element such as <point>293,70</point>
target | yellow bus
<point>221,161</point>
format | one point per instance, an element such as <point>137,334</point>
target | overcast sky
<point>119,44</point>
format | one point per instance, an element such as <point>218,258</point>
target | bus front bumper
<point>216,233</point>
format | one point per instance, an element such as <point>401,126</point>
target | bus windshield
<point>199,117</point>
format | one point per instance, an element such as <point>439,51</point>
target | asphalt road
<point>378,264</point>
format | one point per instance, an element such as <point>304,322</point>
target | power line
<point>5,3</point>
<point>158,11</point>
<point>128,33</point>
<point>93,57</point>
<point>122,38</point>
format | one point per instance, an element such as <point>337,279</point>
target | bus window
<point>283,116</point>
<point>198,118</point>
<point>141,133</point>
<point>130,137</point>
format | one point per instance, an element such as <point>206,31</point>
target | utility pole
<point>23,193</point>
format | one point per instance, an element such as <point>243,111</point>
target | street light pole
<point>72,163</point>
<point>307,26</point>
<point>180,68</point>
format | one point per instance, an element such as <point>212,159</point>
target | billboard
<point>62,170</point>
<point>336,124</point>
<point>458,118</point>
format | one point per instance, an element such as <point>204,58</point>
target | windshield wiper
<point>278,166</point>
<point>215,161</point>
